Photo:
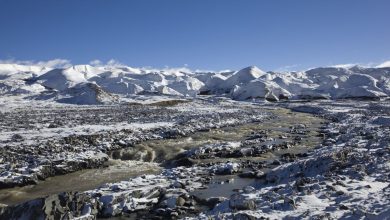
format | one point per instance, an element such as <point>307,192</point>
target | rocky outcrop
<point>63,206</point>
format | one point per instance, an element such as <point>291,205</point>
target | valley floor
<point>196,159</point>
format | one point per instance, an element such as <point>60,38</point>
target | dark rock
<point>17,137</point>
<point>239,202</point>
<point>62,206</point>
<point>187,162</point>
<point>180,201</point>
<point>244,216</point>
<point>249,174</point>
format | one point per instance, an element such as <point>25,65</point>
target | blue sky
<point>203,34</point>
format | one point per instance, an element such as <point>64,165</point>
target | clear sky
<point>203,34</point>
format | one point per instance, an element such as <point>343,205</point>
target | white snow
<point>50,133</point>
<point>384,64</point>
<point>249,83</point>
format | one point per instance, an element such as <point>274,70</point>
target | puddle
<point>78,181</point>
<point>224,186</point>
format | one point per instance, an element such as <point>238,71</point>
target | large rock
<point>240,202</point>
<point>62,206</point>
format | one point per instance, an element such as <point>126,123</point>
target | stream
<point>146,158</point>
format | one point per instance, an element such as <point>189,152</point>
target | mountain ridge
<point>250,83</point>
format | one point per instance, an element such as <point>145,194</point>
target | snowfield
<point>85,84</point>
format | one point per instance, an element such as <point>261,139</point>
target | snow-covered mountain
<point>85,84</point>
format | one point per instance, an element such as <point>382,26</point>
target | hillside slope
<point>251,83</point>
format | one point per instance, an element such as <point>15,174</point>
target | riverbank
<point>265,144</point>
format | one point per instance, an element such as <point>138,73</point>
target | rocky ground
<point>36,144</point>
<point>345,175</point>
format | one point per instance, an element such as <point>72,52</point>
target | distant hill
<point>85,84</point>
